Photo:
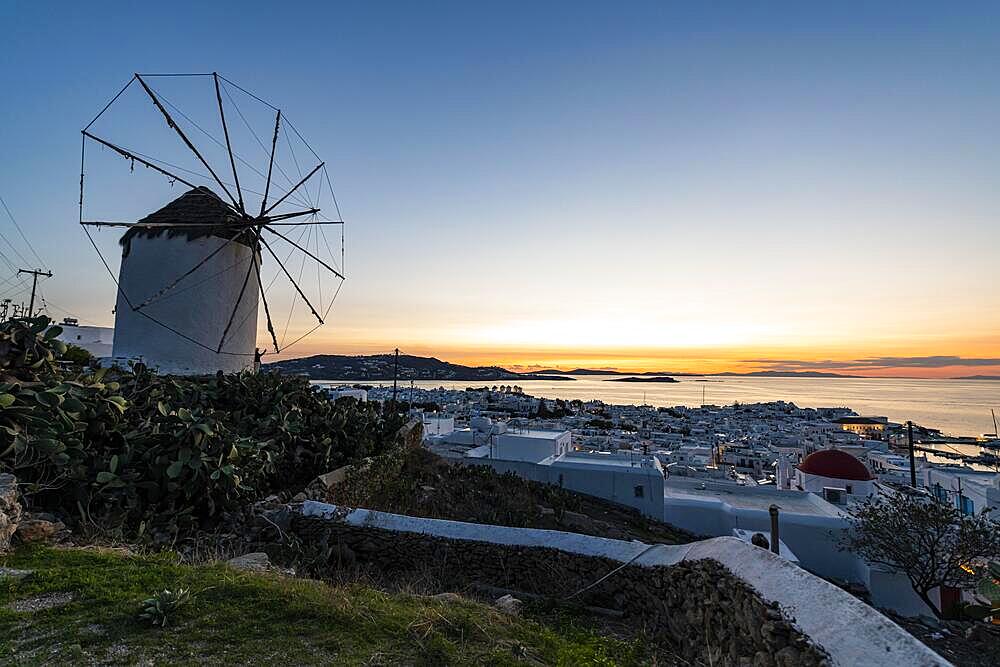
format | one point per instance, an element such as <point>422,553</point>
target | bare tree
<point>927,540</point>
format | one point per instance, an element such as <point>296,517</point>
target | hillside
<point>416,482</point>
<point>379,367</point>
<point>81,606</point>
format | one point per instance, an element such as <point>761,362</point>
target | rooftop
<point>618,461</point>
<point>545,434</point>
<point>197,209</point>
<point>749,497</point>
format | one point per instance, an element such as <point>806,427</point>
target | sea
<point>956,407</point>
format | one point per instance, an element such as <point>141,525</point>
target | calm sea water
<point>957,407</point>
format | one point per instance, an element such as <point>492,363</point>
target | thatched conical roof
<point>198,208</point>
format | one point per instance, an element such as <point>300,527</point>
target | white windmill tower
<point>192,272</point>
<point>214,307</point>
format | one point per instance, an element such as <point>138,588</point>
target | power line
<point>21,232</point>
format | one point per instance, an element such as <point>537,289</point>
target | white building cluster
<point>713,470</point>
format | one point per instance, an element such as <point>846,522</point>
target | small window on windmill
<point>640,491</point>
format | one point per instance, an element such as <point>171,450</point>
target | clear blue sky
<point>544,181</point>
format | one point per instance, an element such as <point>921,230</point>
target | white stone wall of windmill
<point>178,330</point>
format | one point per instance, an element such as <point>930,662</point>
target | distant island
<point>645,374</point>
<point>658,378</point>
<point>788,374</point>
<point>380,367</point>
<point>577,371</point>
<point>605,371</point>
<point>765,374</point>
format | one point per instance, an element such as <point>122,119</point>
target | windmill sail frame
<point>236,224</point>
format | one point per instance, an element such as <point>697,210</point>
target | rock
<point>253,562</point>
<point>979,632</point>
<point>411,433</point>
<point>787,657</point>
<point>270,502</point>
<point>40,602</point>
<point>509,605</point>
<point>448,597</point>
<point>300,497</point>
<point>334,477</point>
<point>279,517</point>
<point>577,520</point>
<point>40,527</point>
<point>9,573</point>
<point>10,509</point>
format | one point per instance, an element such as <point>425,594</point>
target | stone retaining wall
<point>707,613</point>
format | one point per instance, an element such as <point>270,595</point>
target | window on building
<point>640,491</point>
<point>967,506</point>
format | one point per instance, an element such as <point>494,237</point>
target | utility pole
<point>34,283</point>
<point>395,375</point>
<point>913,464</point>
<point>775,538</point>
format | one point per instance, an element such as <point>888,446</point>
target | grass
<point>242,618</point>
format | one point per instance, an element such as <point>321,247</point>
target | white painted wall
<point>816,484</point>
<point>512,446</point>
<point>359,395</point>
<point>96,340</point>
<point>618,486</point>
<point>438,425</point>
<point>200,312</point>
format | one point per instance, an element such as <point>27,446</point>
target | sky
<point>689,187</point>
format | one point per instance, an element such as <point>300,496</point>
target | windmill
<point>194,271</point>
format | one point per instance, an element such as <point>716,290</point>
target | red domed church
<point>834,469</point>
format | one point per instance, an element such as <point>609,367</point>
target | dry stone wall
<point>706,613</point>
<point>10,509</point>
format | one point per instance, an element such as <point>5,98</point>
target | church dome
<point>835,464</point>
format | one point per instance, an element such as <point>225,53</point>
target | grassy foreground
<point>242,618</point>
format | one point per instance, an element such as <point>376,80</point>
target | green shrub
<point>138,451</point>
<point>164,604</point>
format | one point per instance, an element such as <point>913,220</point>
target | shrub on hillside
<point>137,450</point>
<point>416,481</point>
